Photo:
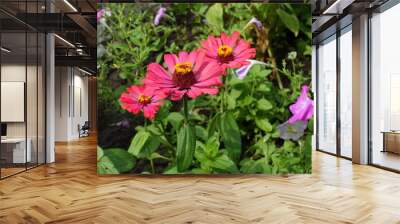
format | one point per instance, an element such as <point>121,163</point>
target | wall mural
<point>204,88</point>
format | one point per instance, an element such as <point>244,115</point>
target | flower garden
<point>204,88</point>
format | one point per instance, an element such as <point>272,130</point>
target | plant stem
<point>152,166</point>
<point>294,67</point>
<point>223,93</point>
<point>227,87</point>
<point>185,109</point>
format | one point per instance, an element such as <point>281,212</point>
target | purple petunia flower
<point>100,14</point>
<point>303,109</point>
<point>256,22</point>
<point>160,14</point>
<point>242,71</point>
<point>292,131</point>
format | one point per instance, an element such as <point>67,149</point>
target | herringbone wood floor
<point>69,191</point>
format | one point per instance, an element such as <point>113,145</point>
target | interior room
<point>336,82</point>
<point>22,97</point>
<point>385,88</point>
<point>46,82</point>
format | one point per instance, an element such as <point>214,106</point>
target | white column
<point>50,94</point>
<point>360,89</point>
<point>314,91</point>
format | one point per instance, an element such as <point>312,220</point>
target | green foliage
<point>241,139</point>
<point>214,17</point>
<point>185,147</point>
<point>290,21</point>
<point>211,159</point>
<point>114,161</point>
<point>231,136</point>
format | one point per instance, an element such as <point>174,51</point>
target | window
<point>346,92</point>
<point>327,95</point>
<point>385,89</point>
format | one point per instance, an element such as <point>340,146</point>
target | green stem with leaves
<point>152,166</point>
<point>222,94</point>
<point>185,109</point>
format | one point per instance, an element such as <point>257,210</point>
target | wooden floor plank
<point>69,191</point>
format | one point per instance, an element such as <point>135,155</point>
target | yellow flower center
<point>144,99</point>
<point>183,68</point>
<point>224,51</point>
<point>183,75</point>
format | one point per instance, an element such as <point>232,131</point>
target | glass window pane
<point>327,96</point>
<point>41,98</point>
<point>31,97</point>
<point>14,153</point>
<point>385,114</point>
<point>346,94</point>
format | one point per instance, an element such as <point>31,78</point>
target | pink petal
<point>219,42</point>
<point>211,82</point>
<point>157,77</point>
<point>176,94</point>
<point>150,111</point>
<point>225,39</point>
<point>132,108</point>
<point>209,71</point>
<point>233,39</point>
<point>303,108</point>
<point>183,56</point>
<point>170,60</point>
<point>194,92</point>
<point>241,46</point>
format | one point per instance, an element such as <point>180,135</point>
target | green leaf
<point>175,119</point>
<point>200,171</point>
<point>307,154</point>
<point>152,145</point>
<point>288,145</point>
<point>116,161</point>
<point>223,164</point>
<point>231,102</point>
<point>138,142</point>
<point>106,166</point>
<point>100,153</point>
<point>214,17</point>
<point>201,133</point>
<point>171,170</point>
<point>231,136</point>
<point>212,145</point>
<point>264,104</point>
<point>250,166</point>
<point>213,125</point>
<point>156,155</point>
<point>246,101</point>
<point>186,146</point>
<point>290,21</point>
<point>264,124</point>
<point>144,144</point>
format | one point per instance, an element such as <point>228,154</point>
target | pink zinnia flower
<point>188,74</point>
<point>140,98</point>
<point>303,109</point>
<point>228,51</point>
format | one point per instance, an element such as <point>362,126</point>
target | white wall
<point>71,94</point>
